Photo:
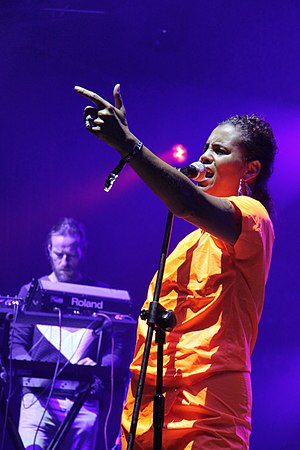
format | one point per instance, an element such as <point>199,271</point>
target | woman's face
<point>224,161</point>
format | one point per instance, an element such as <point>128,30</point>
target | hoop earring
<point>244,188</point>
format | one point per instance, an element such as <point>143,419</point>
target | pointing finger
<point>99,101</point>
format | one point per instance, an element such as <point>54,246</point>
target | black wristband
<point>115,173</point>
<point>138,146</point>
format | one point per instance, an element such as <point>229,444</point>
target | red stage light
<point>179,153</point>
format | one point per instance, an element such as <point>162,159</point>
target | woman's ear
<point>253,169</point>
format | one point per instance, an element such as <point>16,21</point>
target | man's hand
<point>108,359</point>
<point>86,362</point>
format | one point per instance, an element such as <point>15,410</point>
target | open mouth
<point>208,173</point>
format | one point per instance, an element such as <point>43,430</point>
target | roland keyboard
<point>43,369</point>
<point>99,320</point>
<point>76,299</point>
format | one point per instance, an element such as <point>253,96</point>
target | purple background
<point>183,66</point>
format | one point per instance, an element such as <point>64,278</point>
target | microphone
<point>196,171</point>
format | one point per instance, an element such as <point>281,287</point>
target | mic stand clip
<point>164,319</point>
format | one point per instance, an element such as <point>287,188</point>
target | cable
<point>58,310</point>
<point>9,393</point>
<point>57,372</point>
<point>62,368</point>
<point>111,384</point>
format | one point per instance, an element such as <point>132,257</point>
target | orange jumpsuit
<point>216,291</point>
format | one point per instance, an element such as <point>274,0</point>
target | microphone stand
<point>160,320</point>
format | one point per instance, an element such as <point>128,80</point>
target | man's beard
<point>66,276</point>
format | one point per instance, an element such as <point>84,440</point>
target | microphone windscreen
<point>195,171</point>
<point>201,170</point>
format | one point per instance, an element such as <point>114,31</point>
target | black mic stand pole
<point>160,320</point>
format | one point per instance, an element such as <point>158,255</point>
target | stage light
<point>179,153</point>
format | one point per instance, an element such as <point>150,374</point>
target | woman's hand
<point>106,121</point>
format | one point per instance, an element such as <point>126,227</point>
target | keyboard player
<point>66,245</point>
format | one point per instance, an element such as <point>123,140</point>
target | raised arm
<point>181,196</point>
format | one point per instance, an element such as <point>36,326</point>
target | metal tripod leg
<point>89,388</point>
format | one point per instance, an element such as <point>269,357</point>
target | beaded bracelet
<point>115,173</point>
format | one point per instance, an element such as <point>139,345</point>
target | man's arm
<point>21,334</point>
<point>118,354</point>
<point>20,340</point>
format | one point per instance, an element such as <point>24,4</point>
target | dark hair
<point>259,143</point>
<point>67,226</point>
